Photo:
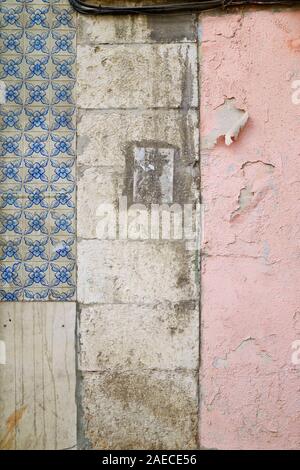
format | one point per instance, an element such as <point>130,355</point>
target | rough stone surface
<point>139,410</point>
<point>104,136</point>
<point>106,186</point>
<point>139,299</point>
<point>136,272</point>
<point>131,76</point>
<point>250,269</point>
<point>117,337</point>
<point>137,29</point>
<point>106,159</point>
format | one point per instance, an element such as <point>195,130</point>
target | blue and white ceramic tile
<point>37,150</point>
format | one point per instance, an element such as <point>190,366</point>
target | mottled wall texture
<point>169,349</point>
<point>138,299</point>
<point>250,265</point>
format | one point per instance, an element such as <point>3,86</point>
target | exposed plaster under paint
<point>230,120</point>
<point>257,176</point>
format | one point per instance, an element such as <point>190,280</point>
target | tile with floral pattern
<point>37,150</point>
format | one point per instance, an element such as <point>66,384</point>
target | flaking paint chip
<point>230,120</point>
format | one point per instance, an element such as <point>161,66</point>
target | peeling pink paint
<point>251,265</point>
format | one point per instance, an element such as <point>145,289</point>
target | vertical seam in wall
<point>77,307</point>
<point>198,42</point>
<point>76,165</point>
<point>78,377</point>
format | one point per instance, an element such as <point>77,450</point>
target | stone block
<point>106,137</point>
<point>123,337</point>
<point>137,76</point>
<point>136,29</point>
<point>139,410</point>
<point>142,272</point>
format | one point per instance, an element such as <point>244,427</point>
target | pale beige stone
<point>139,410</point>
<point>164,336</point>
<point>106,145</point>
<point>113,29</point>
<point>96,187</point>
<point>140,272</point>
<point>104,136</point>
<point>141,75</point>
<point>138,331</point>
<point>37,399</point>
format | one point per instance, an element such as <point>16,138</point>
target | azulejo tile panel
<point>37,150</point>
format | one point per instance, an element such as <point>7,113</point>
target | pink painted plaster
<point>250,388</point>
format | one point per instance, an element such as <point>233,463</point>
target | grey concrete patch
<point>170,178</point>
<point>172,27</point>
<point>153,174</point>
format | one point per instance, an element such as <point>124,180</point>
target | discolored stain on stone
<point>134,75</point>
<point>172,27</point>
<point>140,410</point>
<point>119,337</point>
<point>163,177</point>
<point>138,140</point>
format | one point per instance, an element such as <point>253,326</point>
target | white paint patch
<point>296,353</point>
<point>232,134</point>
<point>2,353</point>
<point>296,94</point>
<point>229,122</point>
<point>2,92</point>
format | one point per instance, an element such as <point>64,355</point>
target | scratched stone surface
<point>37,375</point>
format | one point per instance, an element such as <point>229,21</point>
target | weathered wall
<point>137,350</point>
<point>138,299</point>
<point>250,266</point>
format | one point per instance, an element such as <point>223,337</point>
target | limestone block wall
<point>138,300</point>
